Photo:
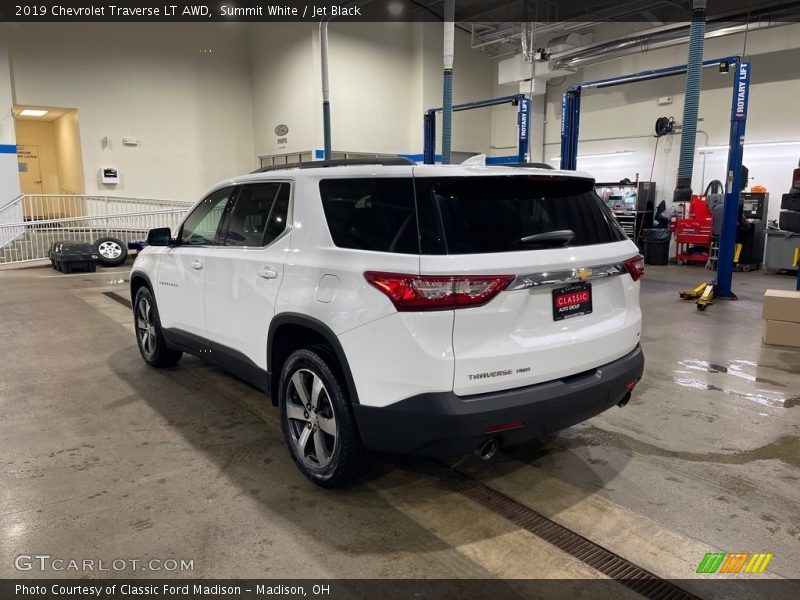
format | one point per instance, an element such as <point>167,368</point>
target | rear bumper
<point>444,424</point>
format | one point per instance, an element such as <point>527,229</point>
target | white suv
<point>398,307</point>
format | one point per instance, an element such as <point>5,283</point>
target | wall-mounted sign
<point>27,152</point>
<point>281,130</point>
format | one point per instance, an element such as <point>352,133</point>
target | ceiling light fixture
<point>755,145</point>
<point>605,155</point>
<point>33,112</point>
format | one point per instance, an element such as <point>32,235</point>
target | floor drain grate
<point>603,560</point>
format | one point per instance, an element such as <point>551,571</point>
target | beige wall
<point>191,111</point>
<point>383,77</point>
<point>66,135</point>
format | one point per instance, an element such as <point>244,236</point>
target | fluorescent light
<point>606,155</point>
<point>33,112</point>
<point>756,145</point>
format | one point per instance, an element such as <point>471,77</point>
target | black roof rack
<point>532,165</point>
<point>390,161</point>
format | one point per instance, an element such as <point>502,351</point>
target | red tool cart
<point>693,232</point>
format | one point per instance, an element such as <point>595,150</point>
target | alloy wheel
<point>109,250</point>
<point>146,329</point>
<point>311,419</point>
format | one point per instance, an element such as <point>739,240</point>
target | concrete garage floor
<point>103,457</point>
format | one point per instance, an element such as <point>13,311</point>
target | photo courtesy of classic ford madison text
<point>400,298</point>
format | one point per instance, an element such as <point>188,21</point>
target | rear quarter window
<point>375,214</point>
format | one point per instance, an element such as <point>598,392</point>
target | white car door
<point>244,274</point>
<point>182,270</point>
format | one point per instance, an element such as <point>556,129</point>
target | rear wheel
<point>149,338</point>
<point>66,268</point>
<point>318,422</point>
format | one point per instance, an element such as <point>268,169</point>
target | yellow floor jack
<point>704,293</point>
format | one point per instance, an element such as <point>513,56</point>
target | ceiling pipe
<point>670,35</point>
<point>447,84</point>
<point>326,88</point>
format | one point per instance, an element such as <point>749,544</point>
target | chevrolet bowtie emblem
<point>583,274</point>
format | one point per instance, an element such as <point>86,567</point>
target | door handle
<point>197,265</point>
<point>267,273</point>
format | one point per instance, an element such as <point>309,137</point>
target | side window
<point>371,214</point>
<point>202,225</point>
<point>259,215</point>
<point>277,218</point>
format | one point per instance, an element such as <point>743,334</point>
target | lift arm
<point>523,123</point>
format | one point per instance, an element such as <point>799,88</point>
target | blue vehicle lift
<point>523,105</point>
<point>570,125</point>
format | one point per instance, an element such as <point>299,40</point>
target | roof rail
<point>532,165</point>
<point>391,161</point>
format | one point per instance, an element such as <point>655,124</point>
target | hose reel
<point>664,125</point>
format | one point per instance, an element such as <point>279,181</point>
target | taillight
<point>441,292</point>
<point>635,267</point>
<point>796,179</point>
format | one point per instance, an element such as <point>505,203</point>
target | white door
<point>182,269</point>
<point>244,273</point>
<point>30,175</point>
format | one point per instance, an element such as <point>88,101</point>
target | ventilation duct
<point>447,83</point>
<point>691,105</point>
<point>326,89</point>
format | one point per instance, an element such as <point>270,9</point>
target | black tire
<point>53,263</point>
<point>344,456</point>
<point>149,338</point>
<point>92,267</point>
<point>66,268</point>
<point>111,252</point>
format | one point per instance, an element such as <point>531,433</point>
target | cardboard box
<point>781,333</point>
<point>781,305</point>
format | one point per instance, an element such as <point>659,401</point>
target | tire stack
<point>790,211</point>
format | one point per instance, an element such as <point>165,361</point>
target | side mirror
<point>159,237</point>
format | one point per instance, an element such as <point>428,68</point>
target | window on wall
<point>203,224</point>
<point>259,215</point>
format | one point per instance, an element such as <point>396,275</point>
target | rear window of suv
<point>465,215</point>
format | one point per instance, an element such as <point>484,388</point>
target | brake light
<point>635,267</point>
<point>441,292</point>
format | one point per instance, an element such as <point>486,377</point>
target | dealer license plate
<point>572,301</point>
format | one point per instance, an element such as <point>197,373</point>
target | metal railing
<point>30,240</point>
<point>42,207</point>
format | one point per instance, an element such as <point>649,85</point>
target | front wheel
<point>149,338</point>
<point>318,422</point>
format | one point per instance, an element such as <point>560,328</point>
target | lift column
<point>733,180</point>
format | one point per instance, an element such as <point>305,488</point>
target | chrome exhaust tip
<point>487,449</point>
<point>625,400</point>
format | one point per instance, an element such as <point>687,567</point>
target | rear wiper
<point>561,237</point>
